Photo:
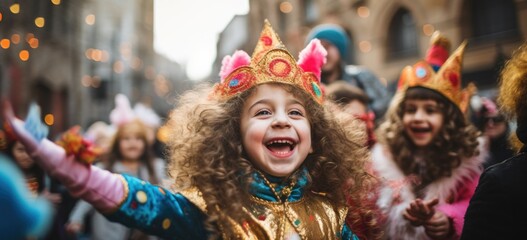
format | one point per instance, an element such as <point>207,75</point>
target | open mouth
<point>281,147</point>
<point>420,130</point>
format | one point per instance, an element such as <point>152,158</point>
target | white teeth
<point>281,141</point>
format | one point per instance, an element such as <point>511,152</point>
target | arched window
<point>493,19</point>
<point>402,38</point>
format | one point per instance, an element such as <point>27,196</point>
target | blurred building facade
<point>72,57</point>
<point>387,35</point>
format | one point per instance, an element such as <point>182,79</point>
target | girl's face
<point>332,58</point>
<point>131,145</point>
<point>495,126</point>
<point>422,120</point>
<point>22,158</point>
<point>275,131</point>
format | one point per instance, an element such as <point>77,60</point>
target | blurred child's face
<point>22,158</point>
<point>355,108</point>
<point>275,130</point>
<point>131,145</point>
<point>422,120</point>
<point>332,58</point>
<point>495,126</point>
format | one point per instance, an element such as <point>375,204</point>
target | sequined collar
<point>267,187</point>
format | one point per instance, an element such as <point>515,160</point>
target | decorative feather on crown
<point>447,80</point>
<point>271,62</point>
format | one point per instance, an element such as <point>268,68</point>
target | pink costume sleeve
<point>101,188</point>
<point>456,210</point>
<point>104,190</point>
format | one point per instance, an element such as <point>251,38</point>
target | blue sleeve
<point>347,234</point>
<point>159,212</point>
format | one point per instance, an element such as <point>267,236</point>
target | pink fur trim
<point>313,57</point>
<point>229,64</point>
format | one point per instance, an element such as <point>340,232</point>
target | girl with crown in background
<point>257,156</point>
<point>428,153</point>
<point>128,153</point>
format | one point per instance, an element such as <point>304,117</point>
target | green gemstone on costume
<point>316,89</point>
<point>297,222</point>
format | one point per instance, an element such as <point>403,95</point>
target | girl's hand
<point>73,227</point>
<point>439,226</point>
<point>420,211</point>
<point>54,198</point>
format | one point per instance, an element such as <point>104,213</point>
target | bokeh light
<point>5,43</point>
<point>49,119</point>
<point>24,55</point>
<point>15,8</point>
<point>90,19</point>
<point>40,22</point>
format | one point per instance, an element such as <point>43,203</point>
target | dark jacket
<point>498,209</point>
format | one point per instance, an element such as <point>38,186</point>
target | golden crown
<point>447,80</point>
<point>272,63</point>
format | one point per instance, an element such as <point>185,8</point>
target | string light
<point>40,22</point>
<point>286,7</point>
<point>5,43</point>
<point>49,119</point>
<point>365,46</point>
<point>15,8</point>
<point>428,29</point>
<point>363,11</point>
<point>33,43</point>
<point>90,19</point>
<point>24,55</point>
<point>15,38</point>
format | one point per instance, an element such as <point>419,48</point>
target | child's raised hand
<point>438,227</point>
<point>419,211</point>
<point>74,228</point>
<point>29,133</point>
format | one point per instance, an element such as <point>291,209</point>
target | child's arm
<point>102,189</point>
<point>130,201</point>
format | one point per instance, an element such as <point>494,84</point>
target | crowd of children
<point>273,151</point>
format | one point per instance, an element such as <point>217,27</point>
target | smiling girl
<point>257,156</point>
<point>428,154</point>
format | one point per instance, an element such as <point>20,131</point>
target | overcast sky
<point>186,31</point>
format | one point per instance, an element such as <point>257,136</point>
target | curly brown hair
<point>206,151</point>
<point>457,139</point>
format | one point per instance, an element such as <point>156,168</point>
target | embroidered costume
<point>181,215</point>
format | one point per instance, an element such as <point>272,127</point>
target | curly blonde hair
<point>512,92</point>
<point>513,79</point>
<point>206,152</point>
<point>457,139</point>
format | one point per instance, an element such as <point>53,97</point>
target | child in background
<point>129,153</point>
<point>258,157</point>
<point>428,152</point>
<point>353,101</point>
<point>495,128</point>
